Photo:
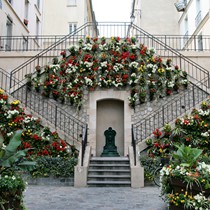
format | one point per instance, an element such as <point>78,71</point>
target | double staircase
<point>106,171</point>
<point>109,172</point>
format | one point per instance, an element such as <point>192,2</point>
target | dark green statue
<point>110,149</point>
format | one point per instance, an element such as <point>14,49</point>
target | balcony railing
<point>27,43</point>
<point>38,43</point>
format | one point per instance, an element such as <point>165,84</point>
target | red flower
<point>45,152</point>
<point>125,55</point>
<point>132,56</point>
<point>157,133</point>
<point>36,137</point>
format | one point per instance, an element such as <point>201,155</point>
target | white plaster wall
<point>159,17</point>
<point>17,13</point>
<point>92,113</point>
<point>58,15</point>
<point>191,13</point>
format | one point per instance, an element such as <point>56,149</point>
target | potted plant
<point>186,180</point>
<point>11,183</point>
<point>28,81</point>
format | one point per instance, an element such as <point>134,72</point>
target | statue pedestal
<point>110,149</point>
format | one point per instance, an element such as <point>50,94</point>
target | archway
<point>110,113</point>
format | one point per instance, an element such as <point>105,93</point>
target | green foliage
<point>11,157</point>
<point>149,164</point>
<point>54,166</point>
<point>11,189</point>
<point>186,156</point>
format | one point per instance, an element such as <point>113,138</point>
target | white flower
<point>150,66</point>
<point>2,101</point>
<point>11,113</point>
<point>133,64</point>
<point>206,134</point>
<point>88,81</point>
<point>9,134</point>
<point>133,47</point>
<point>88,46</point>
<point>88,64</point>
<point>203,113</point>
<point>104,64</point>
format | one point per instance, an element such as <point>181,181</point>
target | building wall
<point>159,17</point>
<point>187,21</point>
<point>60,14</point>
<point>16,11</point>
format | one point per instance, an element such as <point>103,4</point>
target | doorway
<point>110,113</point>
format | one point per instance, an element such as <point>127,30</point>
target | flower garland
<point>115,63</point>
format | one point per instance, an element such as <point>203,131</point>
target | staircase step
<point>105,170</point>
<point>109,172</point>
<point>109,183</point>
<point>109,176</point>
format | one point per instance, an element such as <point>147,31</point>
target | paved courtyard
<point>70,198</point>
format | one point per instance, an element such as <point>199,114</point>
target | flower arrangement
<point>116,63</point>
<point>185,183</point>
<point>34,135</point>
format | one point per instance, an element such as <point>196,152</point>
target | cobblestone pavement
<point>70,198</point>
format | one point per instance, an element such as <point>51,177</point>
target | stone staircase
<point>109,172</point>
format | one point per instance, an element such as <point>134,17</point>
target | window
<point>26,9</point>
<point>9,33</point>
<point>37,27</point>
<point>198,16</point>
<point>72,27</point>
<point>200,42</point>
<point>185,30</point>
<point>71,2</point>
<point>38,4</point>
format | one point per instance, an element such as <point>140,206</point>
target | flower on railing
<point>117,63</point>
<point>34,135</point>
<point>25,21</point>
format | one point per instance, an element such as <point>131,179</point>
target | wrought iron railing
<point>38,43</point>
<point>170,111</point>
<point>194,70</point>
<point>107,29</point>
<point>50,111</point>
<point>27,43</point>
<point>84,144</point>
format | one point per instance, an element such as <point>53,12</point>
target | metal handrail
<point>38,43</point>
<point>194,70</point>
<point>28,42</point>
<point>50,111</point>
<point>170,111</point>
<point>84,144</point>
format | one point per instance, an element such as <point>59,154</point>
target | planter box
<point>13,198</point>
<point>178,208</point>
<point>177,186</point>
